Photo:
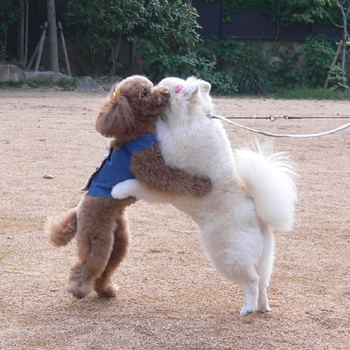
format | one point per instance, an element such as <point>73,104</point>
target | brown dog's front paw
<point>201,186</point>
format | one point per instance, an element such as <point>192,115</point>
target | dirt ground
<point>169,295</point>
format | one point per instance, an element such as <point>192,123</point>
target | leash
<point>272,118</point>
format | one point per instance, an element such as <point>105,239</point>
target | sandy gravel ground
<point>169,296</point>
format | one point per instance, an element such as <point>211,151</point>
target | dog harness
<point>115,167</point>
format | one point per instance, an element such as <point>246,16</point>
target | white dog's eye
<point>144,93</point>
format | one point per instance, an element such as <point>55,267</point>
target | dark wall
<point>254,25</point>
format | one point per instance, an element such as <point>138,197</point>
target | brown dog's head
<point>131,108</point>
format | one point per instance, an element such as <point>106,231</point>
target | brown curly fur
<point>149,167</point>
<point>100,223</point>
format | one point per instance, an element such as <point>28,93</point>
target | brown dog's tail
<point>61,229</point>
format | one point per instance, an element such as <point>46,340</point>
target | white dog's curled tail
<point>269,178</point>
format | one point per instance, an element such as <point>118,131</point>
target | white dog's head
<point>189,99</point>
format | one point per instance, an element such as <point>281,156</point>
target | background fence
<point>254,25</point>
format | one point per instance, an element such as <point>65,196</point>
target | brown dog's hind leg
<point>94,243</point>
<point>104,284</point>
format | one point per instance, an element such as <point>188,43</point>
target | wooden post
<point>340,44</point>
<point>39,46</point>
<point>348,70</point>
<point>60,28</point>
<point>115,55</point>
<point>51,12</point>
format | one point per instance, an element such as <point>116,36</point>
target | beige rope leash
<point>273,118</point>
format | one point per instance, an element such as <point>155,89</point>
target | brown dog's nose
<point>166,94</point>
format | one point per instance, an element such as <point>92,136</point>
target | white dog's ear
<point>205,86</point>
<point>192,89</point>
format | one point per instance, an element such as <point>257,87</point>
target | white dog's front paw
<point>247,310</point>
<point>125,189</point>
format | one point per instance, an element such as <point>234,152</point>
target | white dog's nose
<point>179,88</point>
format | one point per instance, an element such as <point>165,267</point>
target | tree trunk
<point>23,45</point>
<point>345,34</point>
<point>52,35</point>
<point>345,39</point>
<point>26,36</point>
<point>22,36</point>
<point>112,71</point>
<point>115,55</point>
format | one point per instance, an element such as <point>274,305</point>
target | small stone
<point>48,177</point>
<point>88,84</point>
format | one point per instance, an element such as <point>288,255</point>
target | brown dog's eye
<point>144,93</point>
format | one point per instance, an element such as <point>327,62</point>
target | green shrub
<point>223,83</point>
<point>248,65</point>
<point>338,79</point>
<point>245,64</point>
<point>319,55</point>
<point>170,37</point>
<point>10,13</point>
<point>252,82</point>
<point>98,25</point>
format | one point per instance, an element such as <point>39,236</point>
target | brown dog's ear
<point>116,117</point>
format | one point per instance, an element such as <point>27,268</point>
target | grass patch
<point>65,84</point>
<point>12,84</point>
<point>4,255</point>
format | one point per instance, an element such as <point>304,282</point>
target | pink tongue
<point>179,88</point>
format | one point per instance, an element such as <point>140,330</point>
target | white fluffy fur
<point>269,180</point>
<point>252,192</point>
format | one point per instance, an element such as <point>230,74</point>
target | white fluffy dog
<point>252,192</point>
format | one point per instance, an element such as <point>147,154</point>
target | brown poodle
<point>99,222</point>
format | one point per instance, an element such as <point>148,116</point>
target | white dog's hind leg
<point>250,290</point>
<point>263,302</point>
<point>265,269</point>
<point>235,255</point>
<point>127,188</point>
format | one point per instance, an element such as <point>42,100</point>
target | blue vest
<point>115,167</point>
